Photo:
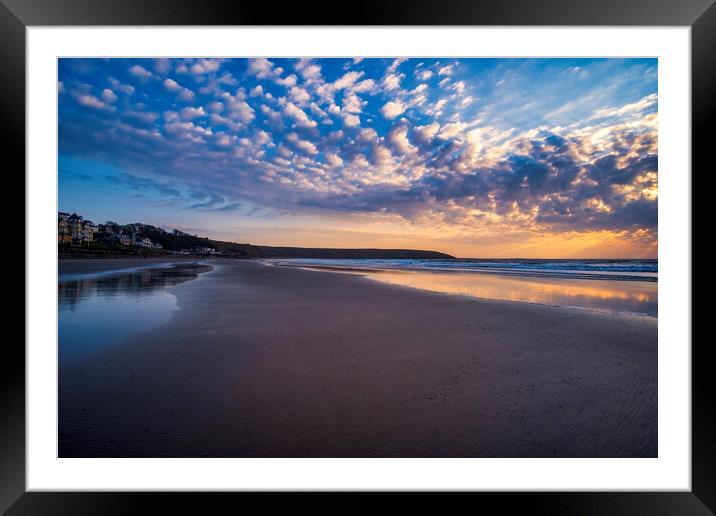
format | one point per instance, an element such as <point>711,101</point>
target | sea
<point>624,286</point>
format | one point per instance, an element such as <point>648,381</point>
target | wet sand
<point>72,266</point>
<point>266,361</point>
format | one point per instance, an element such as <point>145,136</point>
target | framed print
<point>443,248</point>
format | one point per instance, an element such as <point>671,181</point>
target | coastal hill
<point>176,241</point>
<point>308,252</point>
<point>107,242</point>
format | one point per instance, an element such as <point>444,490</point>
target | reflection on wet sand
<point>615,296</point>
<point>97,311</point>
<point>139,282</point>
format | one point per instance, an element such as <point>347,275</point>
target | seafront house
<point>73,229</point>
<point>64,233</point>
<point>88,231</point>
<point>139,241</point>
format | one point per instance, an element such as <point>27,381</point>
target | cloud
<point>392,81</point>
<point>446,70</point>
<point>459,87</point>
<point>468,167</point>
<point>299,96</point>
<point>144,117</point>
<point>316,109</point>
<point>352,104</point>
<point>228,79</point>
<point>118,86</point>
<point>450,130</point>
<point>172,85</point>
<point>427,132</point>
<point>350,120</point>
<point>108,96</point>
<point>288,81</point>
<point>189,113</point>
<point>365,86</point>
<point>303,145</point>
<point>382,156</point>
<point>162,65</point>
<point>398,138</point>
<point>187,130</point>
<point>229,207</point>
<point>347,80</point>
<point>184,94</point>
<point>262,68</point>
<point>436,109</point>
<point>393,109</point>
<point>237,108</point>
<point>628,109</point>
<point>211,200</point>
<point>424,75</point>
<point>298,115</point>
<point>310,72</point>
<point>368,135</point>
<point>333,160</point>
<point>91,101</point>
<point>140,71</point>
<point>396,63</point>
<point>203,66</point>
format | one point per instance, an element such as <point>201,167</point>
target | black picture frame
<point>16,15</point>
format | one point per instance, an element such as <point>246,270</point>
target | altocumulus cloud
<point>475,143</point>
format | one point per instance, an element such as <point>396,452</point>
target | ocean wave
<point>615,270</point>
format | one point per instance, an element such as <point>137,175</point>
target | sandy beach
<point>81,266</point>
<point>269,361</point>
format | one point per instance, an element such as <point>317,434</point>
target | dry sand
<point>267,361</point>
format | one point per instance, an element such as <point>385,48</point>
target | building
<point>139,241</point>
<point>75,222</point>
<point>64,233</point>
<point>203,250</point>
<point>73,229</point>
<point>88,231</point>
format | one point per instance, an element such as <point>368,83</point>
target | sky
<point>534,158</point>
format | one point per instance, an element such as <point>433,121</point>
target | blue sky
<point>478,157</point>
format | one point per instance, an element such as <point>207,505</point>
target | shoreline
<point>277,362</point>
<point>78,268</point>
<point>504,272</point>
<point>374,274</point>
